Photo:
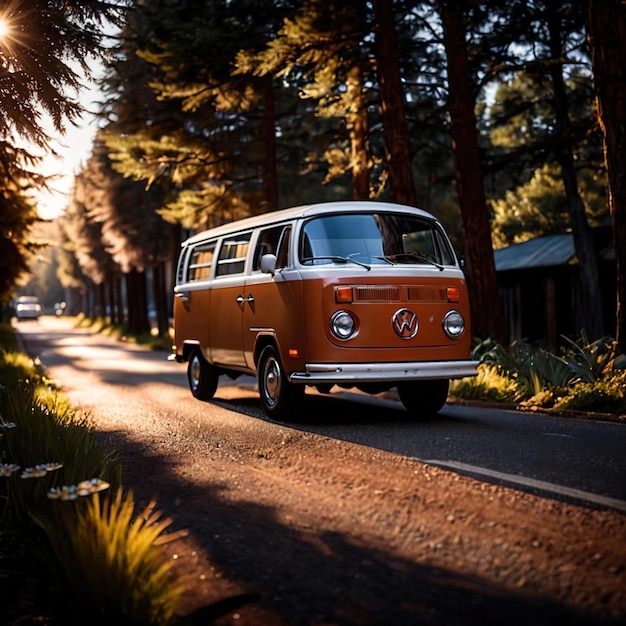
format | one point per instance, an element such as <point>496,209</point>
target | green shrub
<point>579,378</point>
<point>590,360</point>
<point>533,368</point>
<point>605,395</point>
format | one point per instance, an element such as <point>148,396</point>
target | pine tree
<point>487,312</point>
<point>320,51</point>
<point>44,46</point>
<point>606,30</point>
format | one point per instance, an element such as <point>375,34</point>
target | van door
<point>227,302</point>
<point>274,303</point>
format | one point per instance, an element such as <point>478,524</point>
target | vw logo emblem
<point>404,322</point>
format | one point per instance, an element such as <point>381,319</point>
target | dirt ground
<point>323,532</point>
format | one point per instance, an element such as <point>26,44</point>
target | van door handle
<point>183,296</point>
<point>241,299</point>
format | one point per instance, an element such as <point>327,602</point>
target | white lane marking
<point>524,481</point>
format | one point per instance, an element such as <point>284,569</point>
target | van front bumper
<point>336,373</point>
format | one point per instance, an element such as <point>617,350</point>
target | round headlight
<point>453,324</point>
<point>342,325</point>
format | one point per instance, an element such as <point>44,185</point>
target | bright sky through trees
<point>66,152</point>
<point>73,149</point>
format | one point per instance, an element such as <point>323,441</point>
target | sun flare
<point>4,28</point>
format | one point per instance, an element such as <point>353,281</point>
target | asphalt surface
<point>576,460</point>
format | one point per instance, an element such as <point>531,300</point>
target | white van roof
<point>307,210</point>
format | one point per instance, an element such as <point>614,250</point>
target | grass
<point>121,332</point>
<point>131,581</point>
<point>66,524</point>
<point>73,546</point>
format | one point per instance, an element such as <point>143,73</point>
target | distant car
<point>27,308</point>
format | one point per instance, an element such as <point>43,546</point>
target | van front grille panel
<point>396,293</point>
<point>425,293</point>
<point>377,293</point>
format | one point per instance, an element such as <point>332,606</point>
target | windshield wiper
<point>411,255</point>
<point>340,259</point>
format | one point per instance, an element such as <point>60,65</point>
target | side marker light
<point>343,294</point>
<point>453,294</point>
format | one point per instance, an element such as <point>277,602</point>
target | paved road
<point>576,460</point>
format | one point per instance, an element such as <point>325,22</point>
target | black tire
<point>423,398</point>
<point>279,398</point>
<point>202,377</point>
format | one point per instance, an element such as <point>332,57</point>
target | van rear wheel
<point>423,397</point>
<point>279,397</point>
<point>202,376</point>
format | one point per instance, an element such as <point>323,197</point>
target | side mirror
<point>268,264</point>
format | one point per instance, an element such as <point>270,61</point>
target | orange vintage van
<point>353,294</point>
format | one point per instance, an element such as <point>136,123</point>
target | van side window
<point>232,256</point>
<point>267,244</point>
<point>274,240</point>
<point>180,267</point>
<point>200,261</point>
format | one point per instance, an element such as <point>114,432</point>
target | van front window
<point>374,238</point>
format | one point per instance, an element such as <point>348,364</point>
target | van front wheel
<point>423,397</point>
<point>202,376</point>
<point>279,397</point>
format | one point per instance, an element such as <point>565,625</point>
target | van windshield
<point>374,238</point>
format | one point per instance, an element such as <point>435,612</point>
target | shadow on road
<point>320,577</point>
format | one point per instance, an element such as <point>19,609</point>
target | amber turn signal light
<point>343,294</point>
<point>453,294</point>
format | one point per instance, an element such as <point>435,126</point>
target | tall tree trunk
<point>487,312</point>
<point>101,300</point>
<point>118,300</point>
<point>358,124</point>
<point>395,128</point>
<point>110,281</point>
<point>160,300</point>
<point>606,32</point>
<point>589,276</point>
<point>138,322</point>
<point>270,178</point>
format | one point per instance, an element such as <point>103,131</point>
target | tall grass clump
<point>91,552</point>
<point>41,435</point>
<point>489,384</point>
<point>109,558</point>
